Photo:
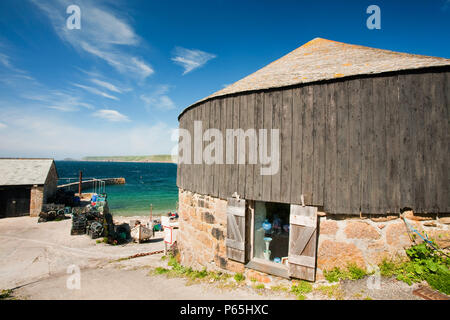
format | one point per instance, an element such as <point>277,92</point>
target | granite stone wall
<point>364,241</point>
<point>36,200</point>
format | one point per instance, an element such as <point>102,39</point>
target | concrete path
<point>35,259</point>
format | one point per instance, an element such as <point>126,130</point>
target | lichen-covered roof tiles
<point>321,59</point>
<point>15,172</point>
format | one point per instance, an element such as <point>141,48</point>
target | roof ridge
<point>322,59</point>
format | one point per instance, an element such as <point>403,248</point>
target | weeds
<point>301,289</point>
<point>333,291</point>
<point>239,277</point>
<point>425,264</point>
<point>5,294</point>
<point>353,272</point>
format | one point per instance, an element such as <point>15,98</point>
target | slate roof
<point>24,171</point>
<point>322,59</point>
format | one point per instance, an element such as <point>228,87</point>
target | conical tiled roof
<point>322,59</point>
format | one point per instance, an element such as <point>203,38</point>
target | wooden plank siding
<point>372,144</point>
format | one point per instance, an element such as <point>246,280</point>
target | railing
<point>97,184</point>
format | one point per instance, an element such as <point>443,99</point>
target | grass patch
<point>160,270</point>
<point>334,275</point>
<point>259,286</point>
<point>353,272</point>
<point>177,270</point>
<point>239,277</point>
<point>423,264</point>
<point>301,288</point>
<point>279,288</point>
<point>388,268</point>
<point>333,291</point>
<point>5,294</point>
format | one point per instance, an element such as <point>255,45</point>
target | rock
<point>430,224</point>
<point>361,230</point>
<point>384,219</point>
<point>258,276</point>
<point>381,226</point>
<point>338,254</point>
<point>234,266</point>
<point>445,220</point>
<point>329,227</point>
<point>411,216</point>
<point>397,236</point>
<point>442,238</point>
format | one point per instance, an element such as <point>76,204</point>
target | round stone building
<point>308,163</point>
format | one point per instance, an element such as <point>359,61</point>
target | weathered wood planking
<point>442,142</point>
<point>259,124</point>
<point>393,145</point>
<point>234,179</point>
<point>319,144</point>
<point>208,177</point>
<point>267,114</point>
<point>418,113</point>
<point>228,167</point>
<point>384,138</point>
<point>308,144</point>
<point>242,157</point>
<point>217,106</point>
<point>276,124</point>
<point>297,143</point>
<point>406,146</point>
<point>249,168</point>
<point>378,197</point>
<point>354,144</point>
<point>330,150</point>
<point>446,206</point>
<point>236,237</point>
<point>342,164</point>
<point>286,146</point>
<point>302,242</point>
<point>367,138</point>
<point>222,167</point>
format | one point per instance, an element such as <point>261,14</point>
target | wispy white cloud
<point>3,126</point>
<point>95,91</point>
<point>103,34</point>
<point>158,99</point>
<point>13,71</point>
<point>111,115</point>
<point>191,59</point>
<point>58,100</point>
<point>106,85</point>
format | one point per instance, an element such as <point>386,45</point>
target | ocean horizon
<point>147,184</point>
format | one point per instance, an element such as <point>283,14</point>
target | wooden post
<point>151,216</point>
<point>79,185</point>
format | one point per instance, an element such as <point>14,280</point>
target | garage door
<point>14,202</point>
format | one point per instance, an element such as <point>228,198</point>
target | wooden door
<point>235,241</point>
<point>302,242</point>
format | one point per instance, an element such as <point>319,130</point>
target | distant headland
<point>159,158</point>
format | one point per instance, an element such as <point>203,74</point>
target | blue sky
<point>117,85</point>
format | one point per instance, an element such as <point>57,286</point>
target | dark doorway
<point>14,201</point>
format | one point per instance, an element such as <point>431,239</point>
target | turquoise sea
<point>146,184</point>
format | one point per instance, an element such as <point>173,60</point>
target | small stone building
<point>25,185</point>
<point>363,136</point>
